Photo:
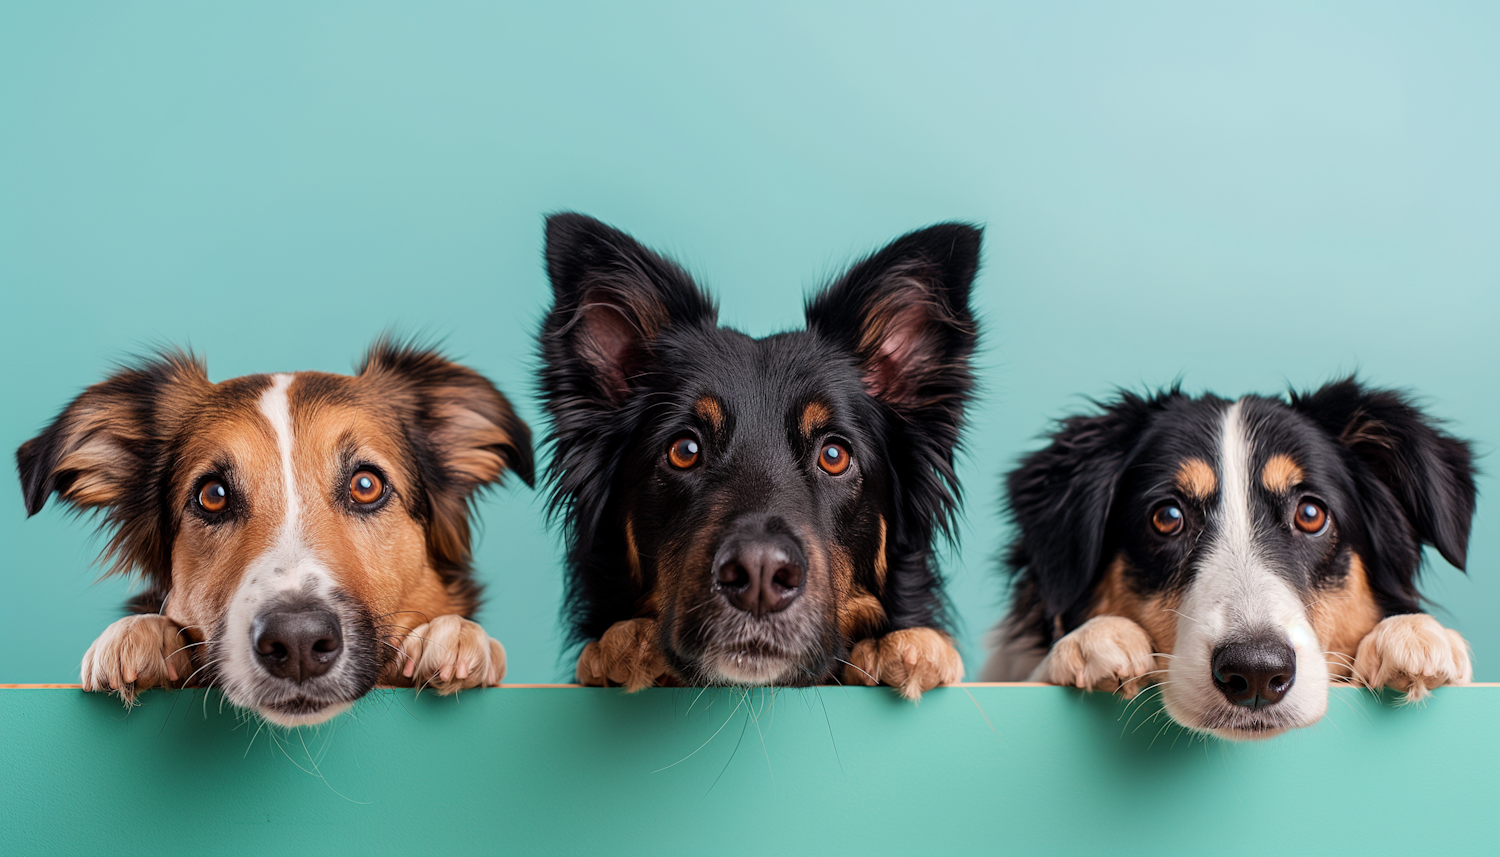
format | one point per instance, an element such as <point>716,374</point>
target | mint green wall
<point>1244,196</point>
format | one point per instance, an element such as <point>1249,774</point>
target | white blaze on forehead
<point>277,408</point>
<point>1234,593</point>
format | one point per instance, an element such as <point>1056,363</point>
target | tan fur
<point>880,560</point>
<point>912,660</point>
<point>1156,614</point>
<point>1281,474</point>
<point>632,553</point>
<point>626,656</point>
<point>1343,617</point>
<point>711,411</point>
<point>815,416</point>
<point>1412,653</point>
<point>134,654</point>
<point>860,614</point>
<point>453,653</point>
<point>1105,653</point>
<point>1196,479</point>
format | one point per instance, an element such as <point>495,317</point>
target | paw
<point>1413,654</point>
<point>1105,653</point>
<point>626,656</point>
<point>136,653</point>
<point>912,660</point>
<point>451,653</point>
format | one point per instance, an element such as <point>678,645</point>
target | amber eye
<point>1311,517</point>
<point>213,496</point>
<point>683,453</point>
<point>365,487</point>
<point>1167,519</point>
<point>834,459</point>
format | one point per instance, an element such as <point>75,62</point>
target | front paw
<point>1105,653</point>
<point>136,653</point>
<point>912,660</point>
<point>451,653</point>
<point>1413,654</point>
<point>626,656</point>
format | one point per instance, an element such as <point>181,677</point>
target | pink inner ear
<point>902,352</point>
<point>605,338</point>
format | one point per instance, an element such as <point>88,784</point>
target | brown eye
<point>1311,517</point>
<point>365,487</point>
<point>213,496</point>
<point>1167,519</point>
<point>683,453</point>
<point>834,459</point>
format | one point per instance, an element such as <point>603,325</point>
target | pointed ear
<point>105,452</point>
<point>905,312</point>
<point>1429,472</point>
<point>1060,499</point>
<point>611,298</point>
<point>465,432</point>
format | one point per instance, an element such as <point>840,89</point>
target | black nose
<point>1255,674</point>
<point>759,576</point>
<point>297,644</point>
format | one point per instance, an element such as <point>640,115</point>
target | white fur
<point>1235,591</point>
<point>288,565</point>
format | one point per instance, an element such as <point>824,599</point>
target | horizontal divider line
<point>535,686</point>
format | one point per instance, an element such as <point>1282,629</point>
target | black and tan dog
<point>1240,553</point>
<point>301,535</point>
<point>749,511</point>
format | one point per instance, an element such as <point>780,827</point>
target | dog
<point>301,536</point>
<point>1242,552</point>
<point>749,511</point>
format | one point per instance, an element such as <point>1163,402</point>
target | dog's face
<point>1256,541</point>
<point>292,524</point>
<point>747,493</point>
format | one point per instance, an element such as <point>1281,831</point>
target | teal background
<point>981,770</point>
<point>1245,196</point>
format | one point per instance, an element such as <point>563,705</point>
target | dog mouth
<point>302,710</point>
<point>754,664</point>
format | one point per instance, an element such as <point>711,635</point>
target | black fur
<point>632,343</point>
<point>1390,477</point>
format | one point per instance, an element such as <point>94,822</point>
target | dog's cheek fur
<point>1342,614</point>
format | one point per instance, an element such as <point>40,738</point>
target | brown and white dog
<point>1240,553</point>
<point>302,536</point>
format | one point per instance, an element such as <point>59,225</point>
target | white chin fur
<point>292,721</point>
<point>748,669</point>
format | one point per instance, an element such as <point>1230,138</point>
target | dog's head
<point>292,524</point>
<point>1257,541</point>
<point>766,500</point>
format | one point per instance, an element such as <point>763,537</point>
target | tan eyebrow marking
<point>711,411</point>
<point>815,416</point>
<point>1196,479</point>
<point>1281,474</point>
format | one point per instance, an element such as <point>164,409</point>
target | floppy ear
<point>1060,497</point>
<point>1429,473</point>
<point>611,298</point>
<point>105,452</point>
<point>465,433</point>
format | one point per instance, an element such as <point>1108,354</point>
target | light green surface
<point>832,771</point>
<point>1243,195</point>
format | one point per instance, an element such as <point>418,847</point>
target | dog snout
<point>759,576</point>
<point>297,644</point>
<point>1255,674</point>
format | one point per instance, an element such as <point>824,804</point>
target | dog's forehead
<point>762,379</point>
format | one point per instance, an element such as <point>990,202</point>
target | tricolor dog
<point>301,536</point>
<point>1240,553</point>
<point>746,511</point>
